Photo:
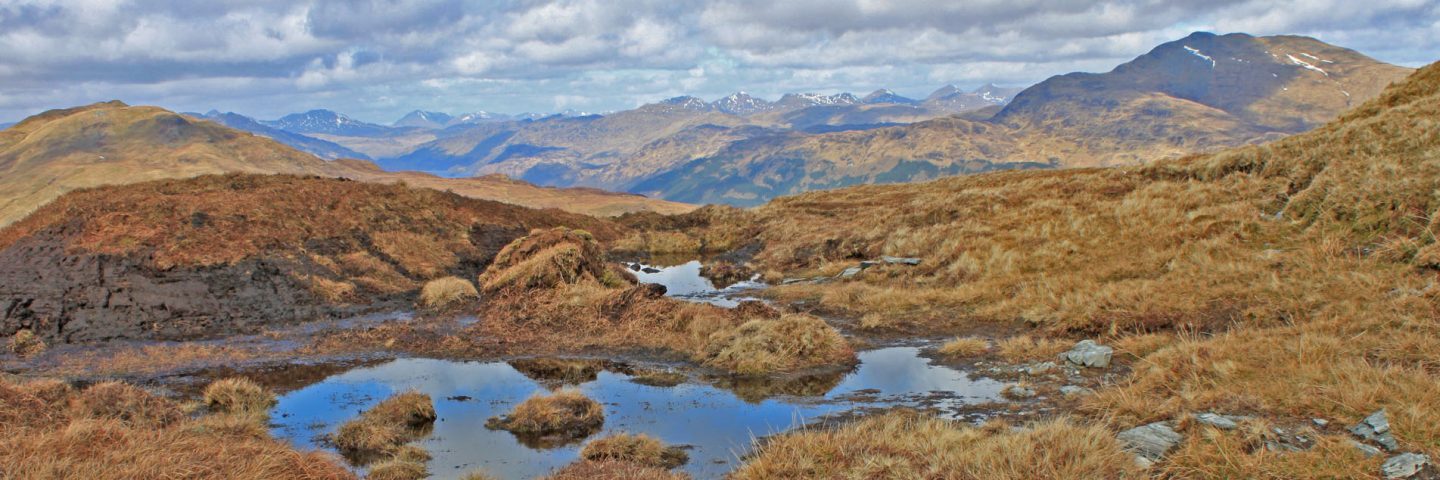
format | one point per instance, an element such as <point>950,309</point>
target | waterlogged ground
<point>717,418</point>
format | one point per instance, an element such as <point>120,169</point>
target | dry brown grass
<point>91,434</point>
<point>238,395</point>
<point>904,445</point>
<point>634,448</point>
<point>398,469</point>
<point>788,343</point>
<point>964,347</point>
<point>447,293</point>
<point>564,413</point>
<point>613,470</point>
<point>24,343</point>
<point>1024,348</point>
<point>550,258</point>
<point>384,428</point>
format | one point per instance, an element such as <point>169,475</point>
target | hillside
<point>219,254</point>
<point>113,143</point>
<point>1288,281</point>
<point>1230,90</point>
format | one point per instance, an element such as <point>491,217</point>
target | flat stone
<point>1367,450</point>
<point>1404,465</point>
<point>1087,353</point>
<point>1041,368</point>
<point>1150,442</point>
<point>1216,420</point>
<point>850,272</point>
<point>1320,422</point>
<point>1018,392</point>
<point>900,260</point>
<point>1075,390</point>
<point>1376,428</point>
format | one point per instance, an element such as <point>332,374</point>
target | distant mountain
<point>792,101</point>
<point>424,119</point>
<point>112,143</point>
<point>741,103</point>
<point>6,125</point>
<point>327,122</point>
<point>887,96</point>
<point>952,99</point>
<point>311,145</point>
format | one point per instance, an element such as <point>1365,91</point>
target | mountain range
<point>113,143</point>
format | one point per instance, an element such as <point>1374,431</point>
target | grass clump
<point>550,258</point>
<point>238,395</point>
<point>126,403</point>
<point>398,469</point>
<point>385,427</point>
<point>908,445</point>
<point>788,343</point>
<point>634,448</point>
<point>25,343</point>
<point>1023,348</point>
<point>567,413</point>
<point>613,470</point>
<point>447,293</point>
<point>963,347</point>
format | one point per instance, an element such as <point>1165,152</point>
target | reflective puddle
<point>717,418</point>
<point>684,282</point>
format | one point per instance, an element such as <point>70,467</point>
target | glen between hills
<point>112,143</point>
<point>1202,93</point>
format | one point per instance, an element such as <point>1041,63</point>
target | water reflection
<point>684,281</point>
<point>718,423</point>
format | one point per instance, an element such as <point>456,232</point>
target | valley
<point>1217,260</point>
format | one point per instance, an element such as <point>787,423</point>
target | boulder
<point>1150,442</point>
<point>1087,353</point>
<point>1376,428</point>
<point>1405,465</point>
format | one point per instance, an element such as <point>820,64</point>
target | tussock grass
<point>385,427</point>
<point>447,293</point>
<point>907,445</point>
<point>398,469</point>
<point>963,347</point>
<point>564,413</point>
<point>112,430</point>
<point>550,258</point>
<point>478,475</point>
<point>238,395</point>
<point>25,343</point>
<point>1024,348</point>
<point>787,343</point>
<point>634,448</point>
<point>613,470</point>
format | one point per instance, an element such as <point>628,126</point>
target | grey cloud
<point>378,58</point>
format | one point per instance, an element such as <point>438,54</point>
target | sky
<point>378,59</point>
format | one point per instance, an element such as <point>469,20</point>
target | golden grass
<point>549,258</point>
<point>478,475</point>
<point>238,395</point>
<point>788,343</point>
<point>634,448</point>
<point>1024,348</point>
<point>964,347</point>
<point>907,445</point>
<point>566,412</point>
<point>398,469</point>
<point>25,343</point>
<point>384,428</point>
<point>613,470</point>
<point>447,293</point>
<point>67,435</point>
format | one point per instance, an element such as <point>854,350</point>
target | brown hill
<point>223,253</point>
<point>113,143</point>
<point>1289,281</point>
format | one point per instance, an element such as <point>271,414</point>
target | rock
<point>1368,450</point>
<point>1320,422</point>
<point>1018,392</point>
<point>1075,391</point>
<point>1216,420</point>
<point>1041,368</point>
<point>1150,442</point>
<point>1404,465</point>
<point>650,270</point>
<point>900,260</point>
<point>635,267</point>
<point>1087,353</point>
<point>1376,428</point>
<point>850,272</point>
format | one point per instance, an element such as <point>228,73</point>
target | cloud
<point>376,59</point>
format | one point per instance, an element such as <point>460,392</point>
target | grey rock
<point>1376,428</point>
<point>1368,450</point>
<point>1216,420</point>
<point>900,260</point>
<point>1150,442</point>
<point>1087,353</point>
<point>851,272</point>
<point>1320,422</point>
<point>1404,465</point>
<point>1041,368</point>
<point>1075,391</point>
